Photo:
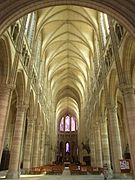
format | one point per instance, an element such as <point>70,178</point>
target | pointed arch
<point>5,60</point>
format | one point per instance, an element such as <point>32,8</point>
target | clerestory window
<point>67,124</point>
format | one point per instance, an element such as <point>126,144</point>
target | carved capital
<point>7,87</point>
<point>30,123</point>
<point>21,106</point>
<point>112,108</point>
<point>126,89</point>
<point>11,86</point>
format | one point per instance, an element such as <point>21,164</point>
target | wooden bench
<point>78,170</point>
<point>47,169</point>
<point>83,170</point>
<point>57,169</point>
<point>96,170</point>
<point>74,169</point>
<point>53,169</point>
<point>35,170</point>
<point>89,169</point>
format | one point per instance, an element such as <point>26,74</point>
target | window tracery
<point>62,124</point>
<point>72,124</point>
<point>68,124</point>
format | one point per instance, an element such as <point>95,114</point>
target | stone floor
<point>69,177</point>
<point>65,176</point>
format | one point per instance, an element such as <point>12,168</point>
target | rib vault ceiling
<point>68,51</point>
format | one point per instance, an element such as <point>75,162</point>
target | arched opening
<point>9,133</point>
<point>67,139</point>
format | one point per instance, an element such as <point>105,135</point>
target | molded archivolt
<point>5,60</point>
<point>128,58</point>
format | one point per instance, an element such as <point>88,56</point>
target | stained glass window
<point>67,147</point>
<point>72,124</point>
<point>67,123</point>
<point>62,124</point>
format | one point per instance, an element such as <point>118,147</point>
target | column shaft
<point>92,145</point>
<point>28,146</point>
<point>36,146</point>
<point>115,140</point>
<point>5,99</point>
<point>14,164</point>
<point>129,103</point>
<point>105,144</point>
<point>46,149</point>
<point>98,147</point>
<point>42,148</point>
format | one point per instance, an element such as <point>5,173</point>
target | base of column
<point>26,171</point>
<point>121,176</point>
<point>13,175</point>
<point>116,176</point>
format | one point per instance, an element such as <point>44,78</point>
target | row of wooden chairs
<point>78,169</point>
<point>82,170</point>
<point>47,169</point>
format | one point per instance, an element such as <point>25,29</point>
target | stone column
<point>92,145</point>
<point>5,99</point>
<point>98,146</point>
<point>36,146</point>
<point>39,148</point>
<point>128,96</point>
<point>42,147</point>
<point>28,145</point>
<point>129,103</point>
<point>115,140</point>
<point>46,153</point>
<point>105,143</point>
<point>14,164</point>
<point>47,145</point>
